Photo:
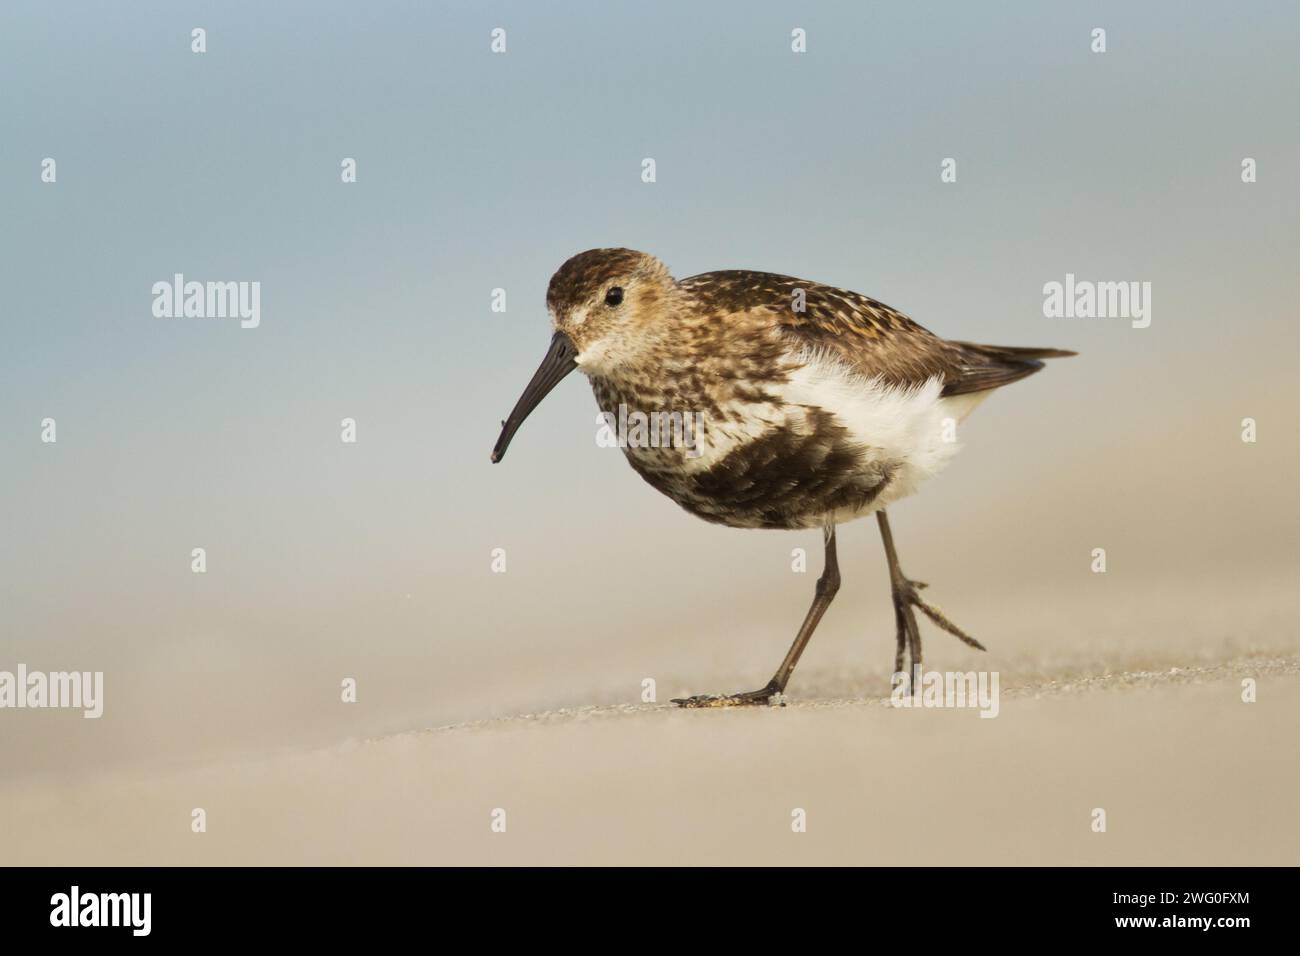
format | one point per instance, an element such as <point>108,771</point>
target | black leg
<point>904,592</point>
<point>827,585</point>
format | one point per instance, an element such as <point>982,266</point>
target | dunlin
<point>821,405</point>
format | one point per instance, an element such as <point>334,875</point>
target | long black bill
<point>559,362</point>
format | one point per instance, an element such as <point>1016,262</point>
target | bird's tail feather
<point>991,366</point>
<point>1015,351</point>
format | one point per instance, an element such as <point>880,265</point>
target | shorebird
<point>821,406</point>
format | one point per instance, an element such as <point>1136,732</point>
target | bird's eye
<point>614,296</point>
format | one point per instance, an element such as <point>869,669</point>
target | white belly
<point>910,431</point>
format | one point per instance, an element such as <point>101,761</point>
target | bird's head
<point>608,308</point>
<point>609,303</point>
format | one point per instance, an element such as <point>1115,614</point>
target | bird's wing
<point>873,339</point>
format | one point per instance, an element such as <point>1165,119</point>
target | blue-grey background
<point>479,171</point>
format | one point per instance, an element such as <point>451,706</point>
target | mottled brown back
<point>867,335</point>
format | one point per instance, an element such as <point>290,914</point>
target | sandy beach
<point>1186,772</point>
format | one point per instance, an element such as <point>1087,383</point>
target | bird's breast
<point>743,457</point>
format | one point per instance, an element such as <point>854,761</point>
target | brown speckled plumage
<point>724,343</point>
<point>877,340</point>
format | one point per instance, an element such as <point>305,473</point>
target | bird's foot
<point>769,696</point>
<point>905,593</point>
